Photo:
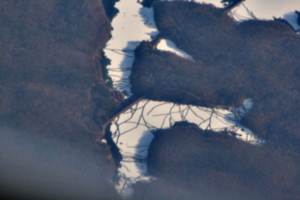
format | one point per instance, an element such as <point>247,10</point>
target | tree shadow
<point>293,19</point>
<point>147,15</point>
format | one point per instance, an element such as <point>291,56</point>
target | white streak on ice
<point>168,45</point>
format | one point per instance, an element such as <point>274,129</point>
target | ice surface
<point>132,25</point>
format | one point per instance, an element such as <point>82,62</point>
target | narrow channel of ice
<point>132,25</point>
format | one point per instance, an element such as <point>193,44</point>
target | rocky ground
<point>190,163</point>
<point>54,100</point>
<point>255,59</point>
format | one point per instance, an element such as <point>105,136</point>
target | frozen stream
<point>132,130</point>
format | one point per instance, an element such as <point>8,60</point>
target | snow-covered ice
<point>132,25</point>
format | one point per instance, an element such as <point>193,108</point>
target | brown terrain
<point>194,164</point>
<point>54,104</point>
<point>231,62</point>
<point>53,100</point>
